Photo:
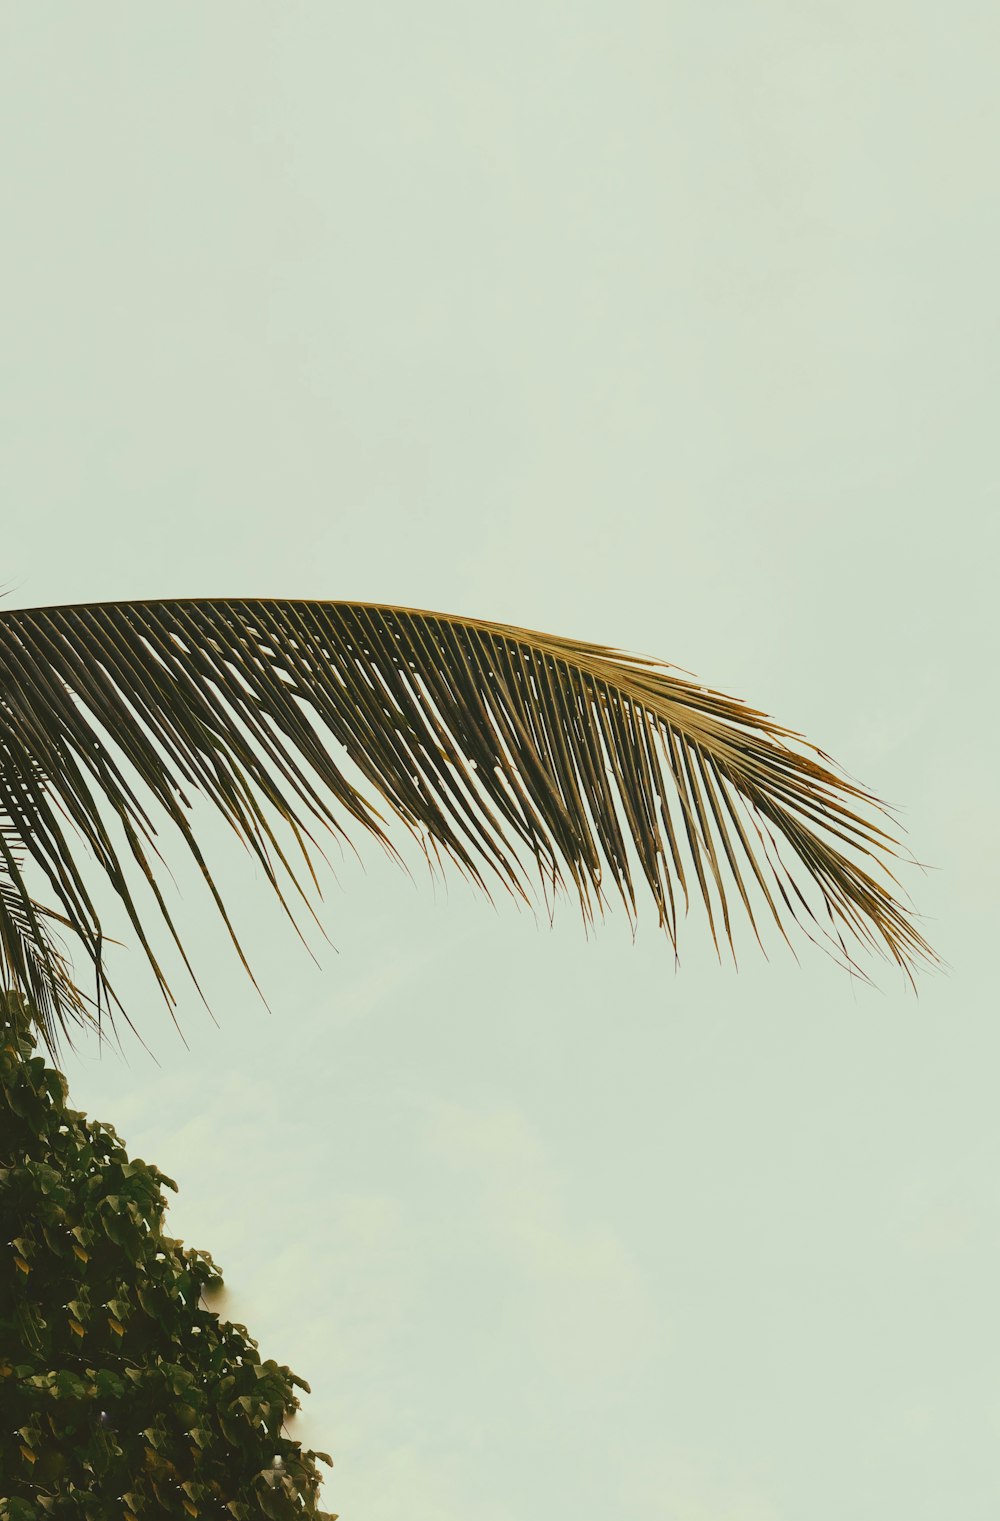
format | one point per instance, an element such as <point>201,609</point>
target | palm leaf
<point>31,961</point>
<point>494,745</point>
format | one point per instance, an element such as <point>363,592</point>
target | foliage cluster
<point>121,1393</point>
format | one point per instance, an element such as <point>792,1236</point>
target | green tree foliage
<point>121,1394</point>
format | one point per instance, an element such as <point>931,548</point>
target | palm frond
<point>31,961</point>
<point>494,745</point>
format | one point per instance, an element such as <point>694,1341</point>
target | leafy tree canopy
<point>121,1394</point>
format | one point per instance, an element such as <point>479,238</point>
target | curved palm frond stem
<point>492,744</point>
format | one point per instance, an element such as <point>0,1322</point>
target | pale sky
<point>672,326</point>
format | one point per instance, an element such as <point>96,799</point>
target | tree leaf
<point>500,748</point>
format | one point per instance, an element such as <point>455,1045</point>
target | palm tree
<point>497,747</point>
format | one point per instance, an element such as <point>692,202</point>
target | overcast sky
<point>672,326</point>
